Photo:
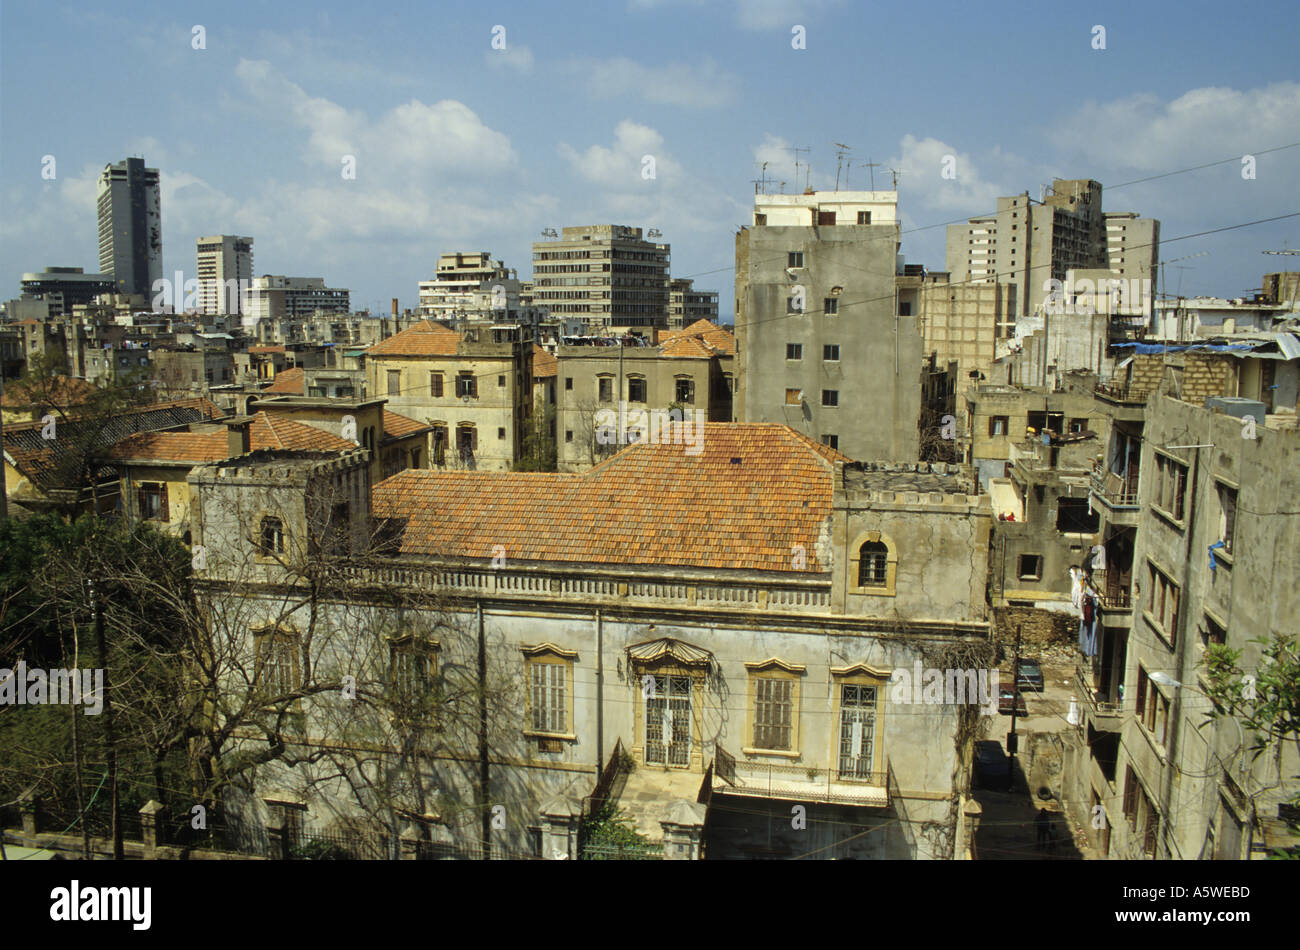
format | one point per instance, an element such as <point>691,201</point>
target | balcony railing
<point>799,782</point>
<point>1115,589</point>
<point>1126,393</point>
<point>1101,707</point>
<point>1118,491</point>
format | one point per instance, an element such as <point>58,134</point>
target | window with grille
<point>873,564</point>
<point>857,731</point>
<point>668,721</point>
<point>549,704</point>
<point>773,713</point>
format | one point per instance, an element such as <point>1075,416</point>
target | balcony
<point>798,783</point>
<point>1105,712</point>
<point>1116,491</point>
<point>1115,589</point>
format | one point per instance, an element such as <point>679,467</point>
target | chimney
<point>394,306</point>
<point>238,440</point>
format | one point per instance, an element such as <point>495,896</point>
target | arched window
<point>873,564</point>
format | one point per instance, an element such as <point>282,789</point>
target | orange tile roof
<point>266,349</point>
<point>267,432</point>
<point>289,382</point>
<point>544,363</point>
<point>426,338</point>
<point>397,426</point>
<point>718,338</point>
<point>649,504</point>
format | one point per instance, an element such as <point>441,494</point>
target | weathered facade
<point>706,656</point>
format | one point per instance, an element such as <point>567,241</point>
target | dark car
<point>1031,675</point>
<point>1005,699</point>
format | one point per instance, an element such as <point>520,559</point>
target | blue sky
<point>462,146</point>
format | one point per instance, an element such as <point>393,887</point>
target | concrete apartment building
<point>1028,243</point>
<point>130,226</point>
<point>1133,249</point>
<point>820,343</point>
<point>686,305</point>
<point>225,268</point>
<point>459,274</point>
<point>702,680</point>
<point>606,275</point>
<point>273,297</point>
<point>692,370</point>
<point>474,387</point>
<point>1213,563</point>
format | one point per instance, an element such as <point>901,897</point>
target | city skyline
<point>470,149</point>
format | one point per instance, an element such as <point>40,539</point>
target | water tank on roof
<point>1237,407</point>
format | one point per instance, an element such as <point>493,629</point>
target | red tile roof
<point>544,363</point>
<point>719,338</point>
<point>289,382</point>
<point>266,349</point>
<point>267,432</point>
<point>755,491</point>
<point>64,392</point>
<point>424,339</point>
<point>397,426</point>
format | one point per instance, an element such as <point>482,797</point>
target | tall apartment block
<point>1028,243</point>
<point>604,274</point>
<point>686,305</point>
<point>1133,246</point>
<point>130,226</point>
<point>821,345</point>
<point>459,275</point>
<point>224,260</point>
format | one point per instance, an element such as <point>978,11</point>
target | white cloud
<point>619,168</point>
<point>518,58</point>
<point>1142,132</point>
<point>702,86</point>
<point>410,138</point>
<point>922,163</point>
<point>777,14</point>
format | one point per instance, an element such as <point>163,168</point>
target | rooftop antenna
<point>841,153</point>
<point>894,172</point>
<point>873,166</point>
<point>797,163</point>
<point>761,181</point>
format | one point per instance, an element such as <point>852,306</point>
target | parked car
<point>1006,698</point>
<point>1031,675</point>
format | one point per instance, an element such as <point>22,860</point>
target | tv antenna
<point>895,172</point>
<point>807,165</point>
<point>841,153</point>
<point>873,166</point>
<point>761,181</point>
<point>1286,275</point>
<point>549,232</point>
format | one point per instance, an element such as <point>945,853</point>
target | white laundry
<point>1076,587</point>
<point>1098,558</point>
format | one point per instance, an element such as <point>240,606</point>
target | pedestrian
<point>1044,823</point>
